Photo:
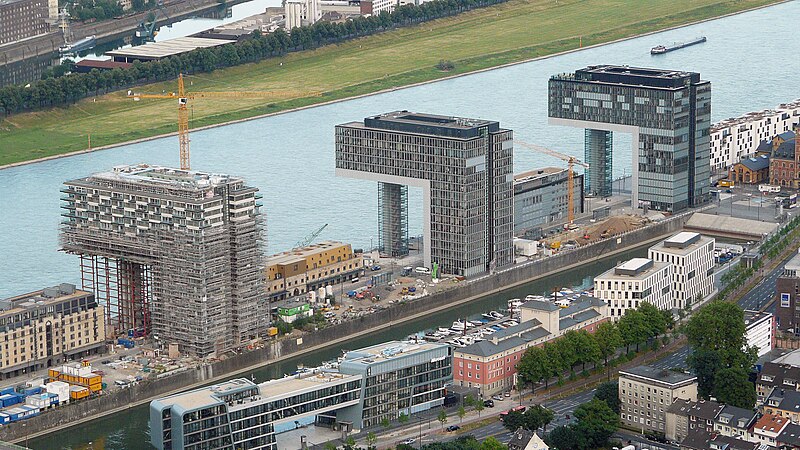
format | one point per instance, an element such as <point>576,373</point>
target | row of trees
<point>720,356</point>
<point>532,419</point>
<point>575,348</point>
<point>467,442</point>
<point>70,88</point>
<point>773,246</point>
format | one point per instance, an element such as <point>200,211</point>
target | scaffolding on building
<point>198,286</point>
<point>392,219</point>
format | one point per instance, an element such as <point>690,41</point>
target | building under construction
<point>172,253</point>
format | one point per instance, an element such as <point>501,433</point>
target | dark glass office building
<point>669,115</point>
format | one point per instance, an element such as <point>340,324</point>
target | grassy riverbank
<point>511,32</point>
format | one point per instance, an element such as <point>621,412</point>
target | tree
<point>492,444</point>
<point>479,407</point>
<point>566,438</point>
<point>469,400</point>
<point>350,443</point>
<point>537,417</point>
<point>719,326</point>
<point>597,422</point>
<point>586,348</point>
<point>534,366</point>
<point>514,420</point>
<point>385,422</point>
<point>371,440</point>
<point>442,418</point>
<point>705,364</point>
<point>654,320</point>
<point>403,418</point>
<point>461,413</point>
<point>609,393</point>
<point>633,328</point>
<point>732,387</point>
<point>608,340</point>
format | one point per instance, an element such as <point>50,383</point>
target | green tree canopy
<point>732,387</point>
<point>609,393</point>
<point>597,422</point>
<point>608,339</point>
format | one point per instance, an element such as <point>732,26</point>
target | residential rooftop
<point>635,269</point>
<point>682,243</point>
<point>158,176</point>
<point>37,299</point>
<point>783,108</point>
<point>298,254</point>
<point>668,377</point>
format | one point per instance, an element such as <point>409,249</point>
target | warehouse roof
<point>164,49</point>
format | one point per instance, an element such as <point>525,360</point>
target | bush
<point>445,65</point>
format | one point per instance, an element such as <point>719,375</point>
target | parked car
<point>488,403</point>
<point>354,280</point>
<point>453,428</point>
<point>409,441</point>
<point>375,268</point>
<point>507,394</point>
<point>497,397</point>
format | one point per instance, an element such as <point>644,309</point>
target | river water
<point>290,157</point>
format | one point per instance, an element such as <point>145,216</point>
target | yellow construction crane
<point>571,161</point>
<point>183,111</point>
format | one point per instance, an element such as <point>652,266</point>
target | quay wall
<point>290,346</point>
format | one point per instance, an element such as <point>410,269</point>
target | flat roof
<point>158,50</point>
<point>682,239</point>
<point>160,176</point>
<point>794,263</point>
<point>389,350</point>
<point>682,243</point>
<point>632,76</point>
<point>752,318</point>
<point>538,173</point>
<point>57,294</point>
<point>298,254</point>
<point>428,124</point>
<point>312,379</point>
<point>634,266</point>
<point>729,226</point>
<point>661,375</point>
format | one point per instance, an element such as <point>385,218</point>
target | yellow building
<point>48,327</point>
<point>300,270</point>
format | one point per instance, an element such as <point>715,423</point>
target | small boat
<point>79,46</point>
<point>495,315</point>
<point>444,330</point>
<point>488,316</point>
<point>475,323</point>
<point>533,297</point>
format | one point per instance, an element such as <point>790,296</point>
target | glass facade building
<point>367,386</point>
<point>465,169</point>
<point>669,114</point>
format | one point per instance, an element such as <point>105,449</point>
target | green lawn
<point>514,31</point>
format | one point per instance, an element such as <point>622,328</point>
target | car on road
<point>375,268</point>
<point>507,394</point>
<point>453,428</point>
<point>409,441</point>
<point>497,397</point>
<point>488,403</point>
<point>354,280</point>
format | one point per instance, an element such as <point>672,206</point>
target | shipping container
<point>4,418</point>
<point>10,399</point>
<point>78,392</point>
<point>32,391</point>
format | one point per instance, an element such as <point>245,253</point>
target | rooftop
<point>633,267</point>
<point>387,351</point>
<point>752,318</point>
<point>538,173</point>
<point>298,254</point>
<point>304,380</point>
<point>794,264</point>
<point>634,76</point>
<point>669,377</point>
<point>756,115</point>
<point>738,417</point>
<point>770,423</point>
<point>702,409</point>
<point>756,163</point>
<point>160,176</point>
<point>682,243</point>
<point>159,50</point>
<point>57,294</point>
<point>428,124</point>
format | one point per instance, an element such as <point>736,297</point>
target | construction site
<point>174,254</point>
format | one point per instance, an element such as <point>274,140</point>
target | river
<point>289,157</point>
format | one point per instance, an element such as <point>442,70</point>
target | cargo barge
<point>661,49</point>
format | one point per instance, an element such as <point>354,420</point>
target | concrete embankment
<point>336,335</point>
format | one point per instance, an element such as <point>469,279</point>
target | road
<point>758,297</point>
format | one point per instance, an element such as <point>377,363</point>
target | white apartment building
<point>692,259</point>
<point>759,331</point>
<point>731,139</point>
<point>632,282</point>
<point>378,6</point>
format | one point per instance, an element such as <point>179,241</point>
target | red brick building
<point>784,164</point>
<point>491,365</point>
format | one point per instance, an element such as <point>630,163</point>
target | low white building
<point>692,259</point>
<point>638,280</point>
<point>760,331</point>
<point>732,139</point>
<point>59,388</point>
